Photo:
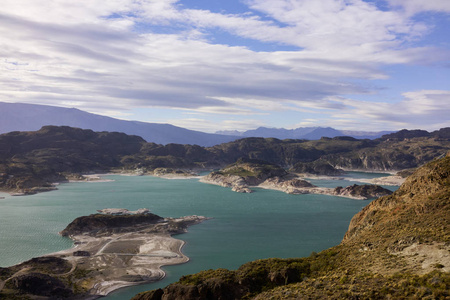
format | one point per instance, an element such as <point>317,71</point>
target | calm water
<point>244,227</point>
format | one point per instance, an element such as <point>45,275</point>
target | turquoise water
<point>244,227</point>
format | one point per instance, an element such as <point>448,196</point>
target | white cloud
<point>426,109</point>
<point>107,56</point>
<point>416,6</point>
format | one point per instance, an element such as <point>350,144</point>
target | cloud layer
<point>119,55</point>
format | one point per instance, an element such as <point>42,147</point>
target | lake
<point>243,227</point>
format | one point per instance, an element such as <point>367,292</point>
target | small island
<point>247,173</point>
<point>114,248</point>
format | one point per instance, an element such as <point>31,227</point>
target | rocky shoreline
<point>113,249</point>
<point>294,185</point>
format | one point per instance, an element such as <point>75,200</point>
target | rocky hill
<point>32,161</point>
<point>101,224</point>
<point>395,248</point>
<point>339,152</point>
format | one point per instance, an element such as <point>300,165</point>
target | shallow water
<point>244,227</point>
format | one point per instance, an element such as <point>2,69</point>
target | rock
<point>81,253</point>
<point>241,189</point>
<point>364,192</point>
<point>109,223</point>
<point>41,285</point>
<point>170,173</point>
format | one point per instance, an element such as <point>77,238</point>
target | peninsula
<point>248,173</point>
<point>112,249</point>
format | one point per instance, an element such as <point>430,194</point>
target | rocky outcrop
<point>41,285</point>
<point>289,185</point>
<point>363,192</point>
<point>243,174</point>
<point>104,224</point>
<point>240,177</point>
<point>173,173</point>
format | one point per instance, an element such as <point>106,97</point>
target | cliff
<point>397,247</point>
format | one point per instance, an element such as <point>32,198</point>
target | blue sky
<point>214,65</point>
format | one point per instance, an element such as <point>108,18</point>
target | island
<point>247,173</point>
<point>112,249</point>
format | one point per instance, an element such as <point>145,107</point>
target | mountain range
<point>307,133</point>
<point>31,117</point>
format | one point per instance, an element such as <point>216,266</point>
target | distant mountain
<point>308,133</point>
<point>31,117</point>
<point>409,134</point>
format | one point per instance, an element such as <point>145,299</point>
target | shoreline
<point>97,177</point>
<point>105,261</point>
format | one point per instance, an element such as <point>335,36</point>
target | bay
<point>243,227</point>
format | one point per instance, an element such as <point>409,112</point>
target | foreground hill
<point>28,117</point>
<point>397,247</point>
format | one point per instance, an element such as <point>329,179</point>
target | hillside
<point>31,161</point>
<point>397,247</point>
<point>35,159</point>
<point>388,154</point>
<point>29,117</point>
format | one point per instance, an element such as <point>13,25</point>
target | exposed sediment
<point>113,249</point>
<point>294,185</point>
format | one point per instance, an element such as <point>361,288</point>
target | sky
<point>213,65</point>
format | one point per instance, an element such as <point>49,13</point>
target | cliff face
<point>396,247</point>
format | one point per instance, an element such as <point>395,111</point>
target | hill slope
<point>35,159</point>
<point>396,247</point>
<point>29,117</point>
